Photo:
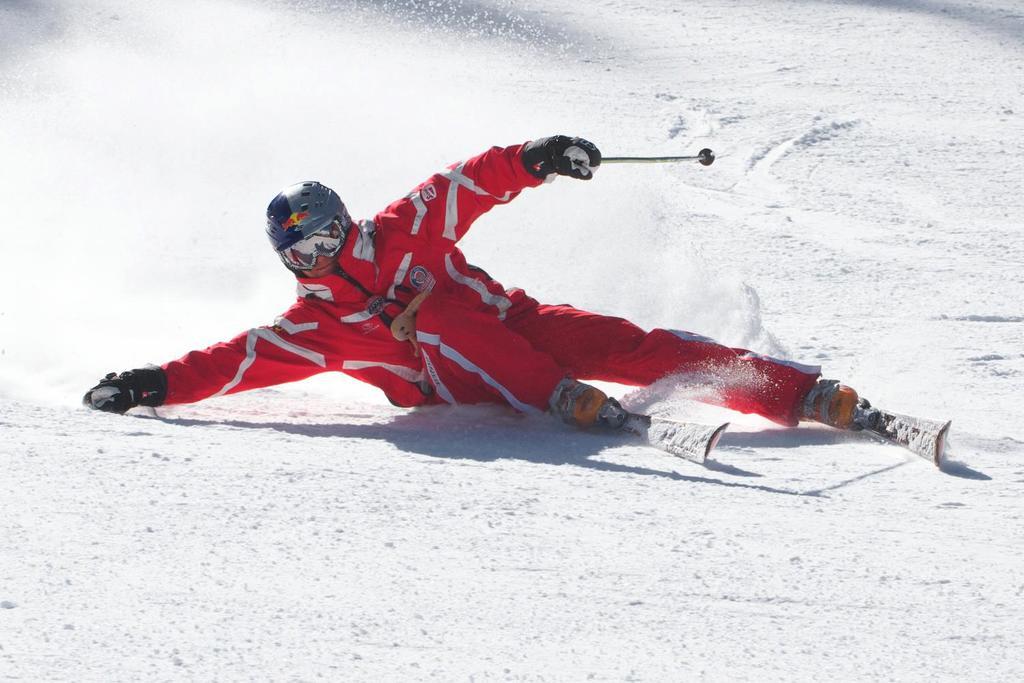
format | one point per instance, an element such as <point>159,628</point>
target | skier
<point>392,301</point>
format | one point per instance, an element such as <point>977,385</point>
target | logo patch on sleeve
<point>421,279</point>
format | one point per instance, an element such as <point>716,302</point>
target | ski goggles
<point>327,241</point>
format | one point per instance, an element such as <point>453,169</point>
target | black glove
<point>117,393</point>
<point>563,155</point>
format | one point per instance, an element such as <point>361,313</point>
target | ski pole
<point>706,157</point>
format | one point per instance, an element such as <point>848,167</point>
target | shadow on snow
<point>484,435</point>
<point>438,433</point>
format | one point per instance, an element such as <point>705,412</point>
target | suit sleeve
<point>264,356</point>
<point>446,204</point>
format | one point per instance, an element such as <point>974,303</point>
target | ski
<point>687,440</point>
<point>926,438</point>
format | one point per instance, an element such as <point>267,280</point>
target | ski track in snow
<point>762,160</point>
<point>863,213</point>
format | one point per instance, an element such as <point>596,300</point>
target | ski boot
<point>833,404</point>
<point>866,417</point>
<point>585,406</point>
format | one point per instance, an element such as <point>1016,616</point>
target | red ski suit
<point>479,343</point>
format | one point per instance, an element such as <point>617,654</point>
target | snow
<point>863,214</point>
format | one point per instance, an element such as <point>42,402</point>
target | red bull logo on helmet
<point>296,218</point>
